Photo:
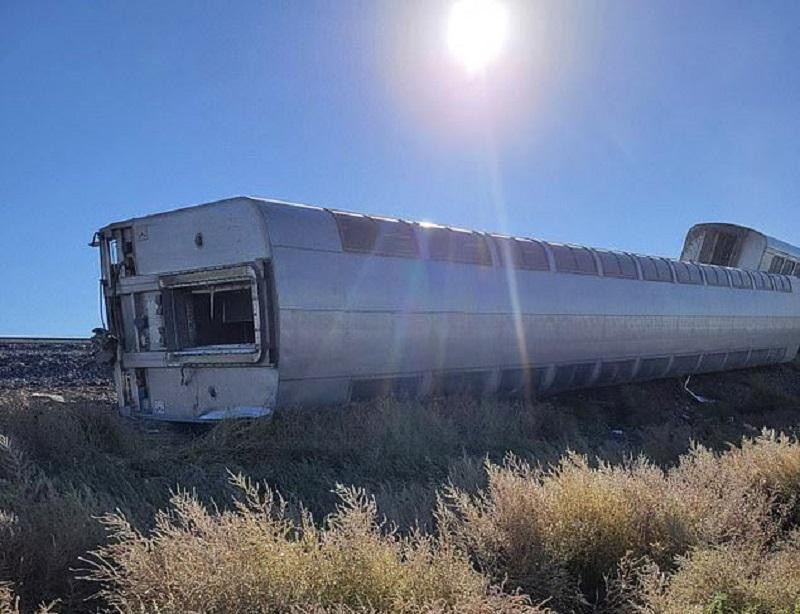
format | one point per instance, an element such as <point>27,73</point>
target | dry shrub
<point>726,579</point>
<point>741,493</point>
<point>560,531</point>
<point>256,559</point>
<point>9,604</point>
<point>44,528</point>
<point>556,532</point>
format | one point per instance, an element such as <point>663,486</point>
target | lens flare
<point>476,32</point>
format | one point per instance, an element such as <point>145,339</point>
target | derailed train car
<point>241,306</point>
<point>739,246</point>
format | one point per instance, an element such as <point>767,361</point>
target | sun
<point>476,32</point>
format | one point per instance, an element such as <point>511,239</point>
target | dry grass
<point>559,532</point>
<point>622,534</point>
<point>256,559</point>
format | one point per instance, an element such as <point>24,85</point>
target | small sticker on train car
<point>158,407</point>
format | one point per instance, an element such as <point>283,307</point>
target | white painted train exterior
<point>739,246</point>
<point>241,306</point>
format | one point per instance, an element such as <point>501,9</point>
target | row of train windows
<point>784,266</point>
<point>529,381</point>
<point>397,238</point>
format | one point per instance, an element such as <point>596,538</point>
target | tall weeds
<point>601,529</point>
<point>256,559</point>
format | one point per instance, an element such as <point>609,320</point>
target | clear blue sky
<point>611,123</point>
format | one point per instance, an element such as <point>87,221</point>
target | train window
<point>520,382</point>
<point>471,383</point>
<point>758,357</point>
<point>716,276</point>
<point>381,236</point>
<point>712,362</point>
<point>688,273</point>
<point>450,245</point>
<point>396,238</point>
<point>572,376</point>
<point>788,268</point>
<point>563,377</point>
<point>777,264</point>
<point>358,232</point>
<point>570,259</point>
<point>628,265</point>
<point>615,372</point>
<point>762,280</point>
<point>723,249</point>
<point>530,255</point>
<point>797,270</point>
<point>683,365</point>
<point>736,360</point>
<point>781,283</point>
<point>583,375</point>
<point>741,279</point>
<point>777,355</point>
<point>651,368</point>
<point>395,387</point>
<point>655,269</point>
<point>617,264</point>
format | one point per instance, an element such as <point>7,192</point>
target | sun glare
<point>476,32</point>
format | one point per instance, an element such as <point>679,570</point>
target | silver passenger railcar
<point>739,246</point>
<point>237,307</point>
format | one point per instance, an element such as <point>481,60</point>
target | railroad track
<point>44,340</point>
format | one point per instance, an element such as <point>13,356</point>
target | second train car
<point>739,246</point>
<point>241,306</point>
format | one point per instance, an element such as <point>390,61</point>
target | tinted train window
<point>396,238</point>
<point>358,233</point>
<point>655,269</point>
<point>715,276</point>
<point>583,375</point>
<point>712,362</point>
<point>741,279</point>
<point>736,360</point>
<point>396,387</point>
<point>572,376</point>
<point>777,264</point>
<point>788,268</point>
<point>520,382</point>
<point>651,368</point>
<point>615,372</point>
<point>762,280</point>
<point>688,273</point>
<point>758,357</point>
<point>530,255</point>
<point>470,383</point>
<point>782,283</point>
<point>458,246</point>
<point>682,365</point>
<point>379,236</point>
<point>617,264</point>
<point>777,355</point>
<point>571,259</point>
